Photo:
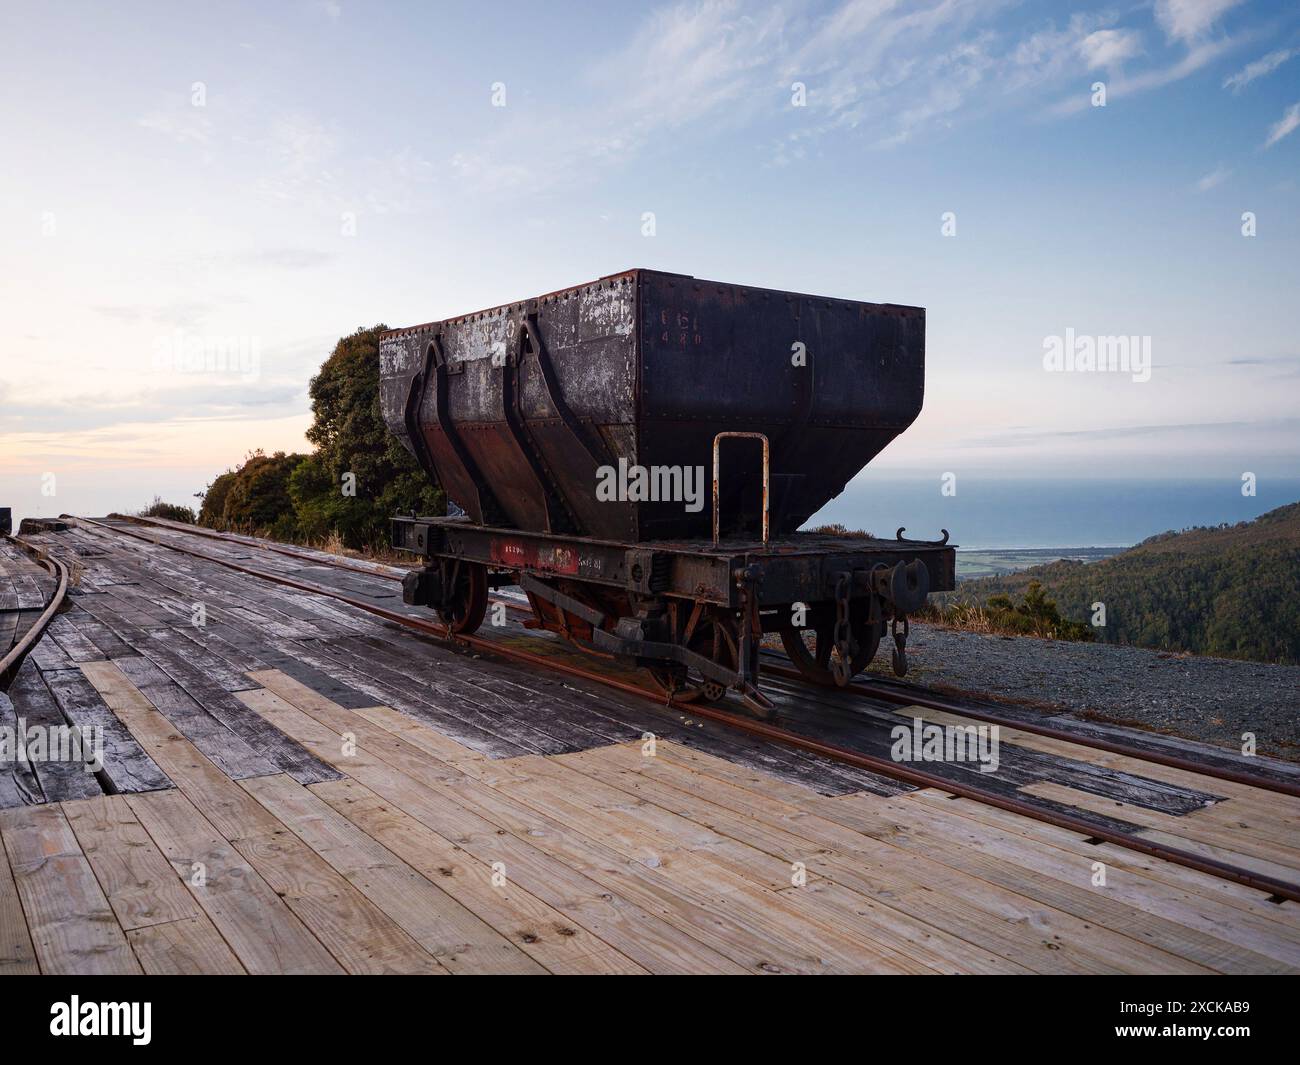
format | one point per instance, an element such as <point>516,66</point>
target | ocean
<point>993,514</point>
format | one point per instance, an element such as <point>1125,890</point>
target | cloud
<point>205,401</point>
<point>688,60</point>
<point>1189,20</point>
<point>177,315</point>
<point>1120,85</point>
<point>1259,68</point>
<point>1035,436</point>
<point>1284,126</point>
<point>1214,178</point>
<point>1108,48</point>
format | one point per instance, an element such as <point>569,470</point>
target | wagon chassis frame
<point>746,588</point>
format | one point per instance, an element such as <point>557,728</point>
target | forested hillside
<point>1230,590</point>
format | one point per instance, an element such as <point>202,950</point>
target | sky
<point>257,180</point>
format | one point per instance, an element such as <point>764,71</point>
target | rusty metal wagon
<point>637,455</point>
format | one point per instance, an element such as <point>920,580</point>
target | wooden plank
<point>71,924</point>
<point>1194,833</point>
<point>419,734</point>
<point>1153,886</point>
<point>848,932</point>
<point>265,935</point>
<point>59,780</point>
<point>17,956</point>
<point>223,747</point>
<point>910,890</point>
<point>438,922</point>
<point>584,886</point>
<point>208,679</point>
<point>1239,816</point>
<point>18,783</point>
<point>709,882</point>
<point>1129,902</point>
<point>460,718</point>
<point>72,640</point>
<point>126,765</point>
<point>361,936</point>
<point>9,634</point>
<point>1282,806</point>
<point>190,947</point>
<point>47,654</point>
<point>559,943</point>
<point>139,882</point>
<point>1069,889</point>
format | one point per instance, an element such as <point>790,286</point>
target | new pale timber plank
<point>1015,925</point>
<point>17,956</point>
<point>845,934</point>
<point>137,879</point>
<point>451,933</point>
<point>71,924</point>
<point>625,912</point>
<point>266,936</point>
<point>189,947</point>
<point>555,940</point>
<point>851,953</point>
<point>1144,884</point>
<point>418,734</point>
<point>895,823</point>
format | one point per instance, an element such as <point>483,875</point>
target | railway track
<point>13,658</point>
<point>900,693</point>
<point>903,695</point>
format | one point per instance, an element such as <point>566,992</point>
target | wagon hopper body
<point>637,454</point>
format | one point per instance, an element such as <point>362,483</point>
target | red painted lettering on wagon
<point>521,554</point>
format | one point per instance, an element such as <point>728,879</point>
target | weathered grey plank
<point>127,767</point>
<point>59,781</point>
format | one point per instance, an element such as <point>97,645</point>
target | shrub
<point>255,497</point>
<point>169,511</point>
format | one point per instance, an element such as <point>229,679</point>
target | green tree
<point>352,438</point>
<point>258,499</point>
<point>213,509</point>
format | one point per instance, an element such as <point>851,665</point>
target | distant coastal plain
<point>997,563</point>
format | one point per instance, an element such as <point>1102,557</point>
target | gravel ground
<point>1209,699</point>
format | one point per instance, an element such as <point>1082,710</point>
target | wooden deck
<point>296,786</point>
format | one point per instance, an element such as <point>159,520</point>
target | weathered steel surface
<point>514,409</point>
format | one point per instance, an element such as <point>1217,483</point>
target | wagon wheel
<point>686,685</point>
<point>815,662</point>
<point>464,609</point>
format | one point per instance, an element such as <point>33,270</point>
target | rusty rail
<point>931,702</point>
<point>13,659</point>
<point>907,774</point>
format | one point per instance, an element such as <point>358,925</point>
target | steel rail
<point>252,541</point>
<point>13,658</point>
<point>920,698</point>
<point>919,777</point>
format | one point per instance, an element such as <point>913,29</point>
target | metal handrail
<point>767,471</point>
